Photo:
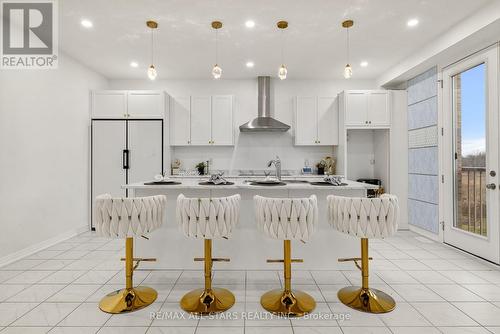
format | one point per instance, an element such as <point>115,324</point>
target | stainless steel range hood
<point>264,120</point>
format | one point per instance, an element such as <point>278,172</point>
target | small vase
<point>201,170</point>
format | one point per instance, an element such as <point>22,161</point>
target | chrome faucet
<point>277,164</point>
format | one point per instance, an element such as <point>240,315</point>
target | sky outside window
<point>473,110</point>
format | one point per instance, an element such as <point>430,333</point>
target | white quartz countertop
<point>242,183</point>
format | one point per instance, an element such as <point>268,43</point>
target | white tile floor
<point>438,290</point>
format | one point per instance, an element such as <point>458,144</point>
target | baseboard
<point>424,233</point>
<point>42,245</point>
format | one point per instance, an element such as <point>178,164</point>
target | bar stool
<point>126,218</point>
<point>287,219</point>
<point>208,218</point>
<point>364,218</point>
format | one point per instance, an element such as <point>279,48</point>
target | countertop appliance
<point>372,192</point>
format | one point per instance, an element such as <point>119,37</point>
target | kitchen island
<point>248,248</point>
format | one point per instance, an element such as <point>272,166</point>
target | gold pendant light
<point>348,69</point>
<point>282,72</point>
<point>152,74</point>
<point>216,70</point>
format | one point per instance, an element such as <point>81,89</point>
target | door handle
<point>125,159</point>
<point>491,186</point>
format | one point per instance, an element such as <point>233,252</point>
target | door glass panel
<point>469,112</point>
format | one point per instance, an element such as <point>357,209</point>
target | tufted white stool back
<point>287,218</point>
<point>208,218</point>
<point>126,217</point>
<point>364,217</point>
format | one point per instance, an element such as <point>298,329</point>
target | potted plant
<point>321,167</point>
<point>201,168</point>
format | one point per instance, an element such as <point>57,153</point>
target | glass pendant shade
<point>282,72</point>
<point>217,72</point>
<point>348,71</point>
<point>152,74</point>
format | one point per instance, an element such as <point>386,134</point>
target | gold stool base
<point>291,304</point>
<point>128,300</point>
<point>201,301</point>
<point>366,300</point>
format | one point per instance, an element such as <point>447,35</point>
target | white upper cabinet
<point>306,122</point>
<point>222,120</point>
<point>119,104</point>
<point>180,121</point>
<point>146,104</point>
<point>379,109</point>
<point>356,107</point>
<point>316,121</point>
<point>367,108</point>
<point>109,104</point>
<point>202,120</point>
<point>328,120</point>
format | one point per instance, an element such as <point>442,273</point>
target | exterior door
<point>471,151</point>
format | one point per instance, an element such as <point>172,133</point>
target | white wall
<point>44,141</point>
<point>252,151</point>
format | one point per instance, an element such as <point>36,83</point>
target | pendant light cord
<point>216,46</point>
<point>152,47</point>
<point>282,47</point>
<point>348,47</point>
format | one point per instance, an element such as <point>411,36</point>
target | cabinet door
<point>328,121</point>
<point>355,109</point>
<point>379,109</point>
<point>108,144</point>
<point>145,145</point>
<point>109,104</point>
<point>201,120</point>
<point>144,104</point>
<point>180,122</point>
<point>306,122</point>
<point>222,120</point>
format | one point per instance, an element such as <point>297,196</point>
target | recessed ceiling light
<point>86,23</point>
<point>134,64</point>
<point>363,64</point>
<point>250,24</point>
<point>412,23</point>
<point>250,64</point>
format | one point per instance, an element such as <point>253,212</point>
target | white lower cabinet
<point>316,121</point>
<point>366,108</point>
<point>202,121</point>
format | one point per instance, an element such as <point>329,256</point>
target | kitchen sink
<point>295,181</point>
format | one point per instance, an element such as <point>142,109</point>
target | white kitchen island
<point>247,248</point>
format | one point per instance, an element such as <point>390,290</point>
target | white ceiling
<point>314,46</point>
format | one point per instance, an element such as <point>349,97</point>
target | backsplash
<point>253,151</point>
